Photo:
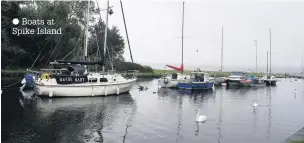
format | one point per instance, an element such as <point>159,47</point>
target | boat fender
<point>106,92</point>
<point>92,93</point>
<point>166,81</point>
<point>23,81</point>
<point>39,92</point>
<point>45,76</point>
<point>51,94</point>
<point>117,90</point>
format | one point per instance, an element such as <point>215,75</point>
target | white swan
<point>200,118</point>
<point>254,104</point>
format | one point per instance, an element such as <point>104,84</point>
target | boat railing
<point>131,73</point>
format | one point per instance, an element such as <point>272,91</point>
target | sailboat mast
<point>270,51</point>
<point>222,49</point>
<point>106,34</point>
<point>183,37</point>
<point>302,63</point>
<point>86,33</point>
<point>256,56</point>
<point>267,62</point>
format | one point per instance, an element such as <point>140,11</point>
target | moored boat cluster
<point>201,80</point>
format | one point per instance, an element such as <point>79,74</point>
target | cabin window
<point>103,80</point>
<point>93,80</point>
<point>174,76</point>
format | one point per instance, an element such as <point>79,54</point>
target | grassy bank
<point>155,74</point>
<point>302,141</point>
<point>19,73</point>
<point>214,73</point>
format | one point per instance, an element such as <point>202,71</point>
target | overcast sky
<point>155,25</point>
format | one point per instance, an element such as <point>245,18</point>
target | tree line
<point>23,50</point>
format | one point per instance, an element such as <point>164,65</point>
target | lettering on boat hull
<point>71,79</point>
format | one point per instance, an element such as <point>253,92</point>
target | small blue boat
<point>198,81</point>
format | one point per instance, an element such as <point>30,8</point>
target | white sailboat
<point>74,81</point>
<point>256,81</point>
<point>269,79</point>
<point>221,80</point>
<point>171,81</point>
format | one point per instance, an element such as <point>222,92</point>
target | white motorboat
<point>171,81</point>
<point>238,79</point>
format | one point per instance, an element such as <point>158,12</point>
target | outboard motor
<point>28,80</point>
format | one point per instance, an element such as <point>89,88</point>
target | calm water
<point>163,117</point>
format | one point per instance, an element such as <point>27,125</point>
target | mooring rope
<point>11,84</point>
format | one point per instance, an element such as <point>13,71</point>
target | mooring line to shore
<point>11,84</point>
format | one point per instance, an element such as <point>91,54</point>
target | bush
<point>124,66</point>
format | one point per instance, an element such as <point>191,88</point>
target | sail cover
<point>177,68</point>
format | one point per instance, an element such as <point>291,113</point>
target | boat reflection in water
<point>84,118</point>
<point>195,92</point>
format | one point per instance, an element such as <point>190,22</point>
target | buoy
<point>117,90</point>
<point>106,92</point>
<point>51,94</point>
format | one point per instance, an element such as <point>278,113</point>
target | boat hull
<point>196,86</point>
<point>233,82</point>
<point>270,82</point>
<point>81,90</point>
<point>168,83</point>
<point>258,85</point>
<point>219,81</point>
<point>243,83</point>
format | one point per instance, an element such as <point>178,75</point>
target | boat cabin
<point>198,76</point>
<point>237,74</point>
<point>257,81</point>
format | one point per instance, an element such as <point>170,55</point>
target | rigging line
<point>68,54</point>
<point>111,62</point>
<point>55,46</point>
<point>99,11</point>
<point>39,54</point>
<point>97,25</point>
<point>81,49</point>
<point>123,15</point>
<point>76,45</point>
<point>98,50</point>
<point>48,40</point>
<point>11,84</point>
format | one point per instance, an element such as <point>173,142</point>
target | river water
<point>156,116</point>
